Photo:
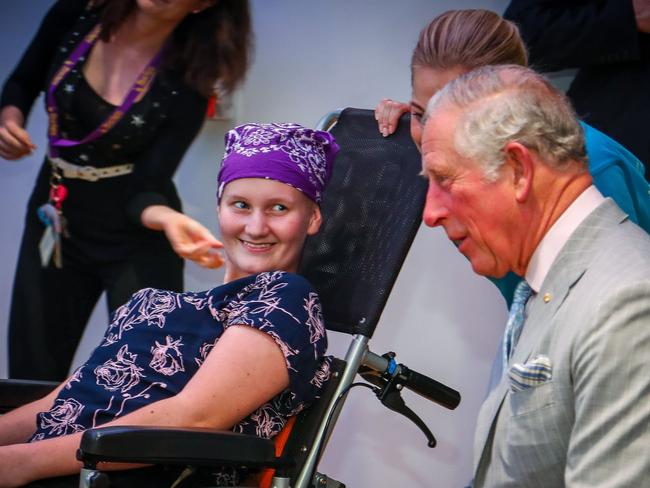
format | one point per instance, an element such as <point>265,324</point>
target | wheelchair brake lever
<point>391,398</point>
<point>389,377</point>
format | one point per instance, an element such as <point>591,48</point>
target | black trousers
<point>50,307</point>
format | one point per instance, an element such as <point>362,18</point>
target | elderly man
<point>508,181</point>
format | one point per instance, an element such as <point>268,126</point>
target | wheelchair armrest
<point>14,393</point>
<point>176,446</point>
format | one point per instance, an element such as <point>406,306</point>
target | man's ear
<point>315,221</point>
<point>520,160</point>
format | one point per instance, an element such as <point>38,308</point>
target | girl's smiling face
<point>264,224</point>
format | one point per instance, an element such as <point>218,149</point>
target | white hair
<point>509,103</point>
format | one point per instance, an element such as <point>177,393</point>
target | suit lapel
<point>566,271</point>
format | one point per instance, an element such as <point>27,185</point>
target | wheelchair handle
<point>419,383</point>
<point>430,389</point>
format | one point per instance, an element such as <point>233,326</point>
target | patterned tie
<point>515,320</point>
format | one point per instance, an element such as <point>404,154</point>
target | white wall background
<point>441,319</point>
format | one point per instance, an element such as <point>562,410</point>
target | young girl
<point>243,356</point>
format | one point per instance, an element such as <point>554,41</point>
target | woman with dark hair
<point>126,87</point>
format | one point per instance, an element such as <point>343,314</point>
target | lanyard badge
<point>51,213</point>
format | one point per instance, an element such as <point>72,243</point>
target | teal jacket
<point>618,174</point>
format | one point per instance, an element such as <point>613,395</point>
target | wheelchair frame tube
<point>88,477</point>
<point>353,359</point>
<point>329,120</point>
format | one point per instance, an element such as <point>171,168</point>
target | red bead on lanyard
<point>58,193</point>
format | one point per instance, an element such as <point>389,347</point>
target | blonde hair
<point>469,39</point>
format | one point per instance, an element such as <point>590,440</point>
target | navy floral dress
<point>159,339</point>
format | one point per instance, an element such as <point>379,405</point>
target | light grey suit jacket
<point>588,426</point>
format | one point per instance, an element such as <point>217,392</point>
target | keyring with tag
<point>55,224</point>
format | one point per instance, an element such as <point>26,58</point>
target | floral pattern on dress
<point>62,417</point>
<point>199,302</point>
<point>156,305</point>
<point>158,340</point>
<point>120,373</point>
<point>167,358</point>
<point>314,318</point>
<point>76,377</point>
<point>238,311</point>
<point>267,422</point>
<point>322,375</point>
<point>204,350</point>
<point>148,306</point>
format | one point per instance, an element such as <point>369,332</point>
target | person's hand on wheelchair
<point>387,114</point>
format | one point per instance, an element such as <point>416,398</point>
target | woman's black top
<point>104,216</point>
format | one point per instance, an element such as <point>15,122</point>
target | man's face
<point>475,212</point>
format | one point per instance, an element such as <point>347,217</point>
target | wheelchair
<point>371,212</point>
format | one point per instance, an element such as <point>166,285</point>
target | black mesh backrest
<point>372,209</point>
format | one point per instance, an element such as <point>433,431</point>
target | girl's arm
<point>245,369</point>
<point>19,424</point>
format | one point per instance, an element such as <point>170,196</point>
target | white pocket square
<point>534,373</point>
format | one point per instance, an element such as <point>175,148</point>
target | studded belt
<point>89,173</point>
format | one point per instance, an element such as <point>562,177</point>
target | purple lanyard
<point>134,95</point>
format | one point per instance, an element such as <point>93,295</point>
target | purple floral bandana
<point>289,153</point>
